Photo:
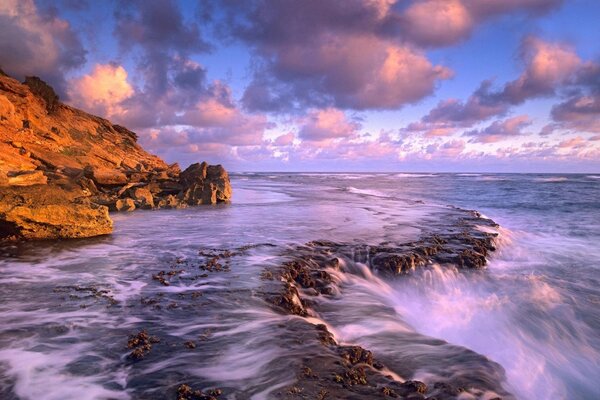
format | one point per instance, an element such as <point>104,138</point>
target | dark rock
<point>44,91</point>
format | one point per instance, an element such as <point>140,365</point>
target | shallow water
<point>67,308</point>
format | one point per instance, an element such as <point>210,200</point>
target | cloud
<point>285,140</point>
<point>581,110</point>
<point>489,8</point>
<point>327,124</point>
<point>500,130</point>
<point>548,68</point>
<point>102,91</point>
<point>437,22</point>
<point>37,43</point>
<point>479,106</point>
<point>354,71</point>
<point>580,113</point>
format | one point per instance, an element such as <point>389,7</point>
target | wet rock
<point>397,263</point>
<point>356,355</point>
<point>289,300</point>
<point>141,343</point>
<point>185,392</point>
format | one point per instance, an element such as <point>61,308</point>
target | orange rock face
<point>61,169</point>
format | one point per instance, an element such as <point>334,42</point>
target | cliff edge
<point>62,170</point>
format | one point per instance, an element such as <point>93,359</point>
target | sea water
<point>68,307</point>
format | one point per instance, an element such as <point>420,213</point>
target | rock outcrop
<point>62,170</point>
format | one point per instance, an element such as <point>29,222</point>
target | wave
<point>552,179</point>
<point>406,175</point>
<point>593,176</point>
<point>365,192</point>
<point>491,178</point>
<point>468,174</point>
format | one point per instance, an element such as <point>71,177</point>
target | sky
<point>327,85</point>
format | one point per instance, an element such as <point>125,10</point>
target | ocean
<point>527,326</point>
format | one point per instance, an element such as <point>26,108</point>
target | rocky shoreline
<point>351,371</point>
<point>62,170</point>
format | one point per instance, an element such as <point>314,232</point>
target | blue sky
<point>420,85</point>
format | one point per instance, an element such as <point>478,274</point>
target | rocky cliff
<point>62,170</point>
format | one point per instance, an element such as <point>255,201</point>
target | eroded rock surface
<point>49,147</point>
<point>353,372</point>
<point>46,212</point>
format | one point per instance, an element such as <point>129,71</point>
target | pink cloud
<point>284,140</point>
<point>102,91</point>
<point>574,143</point>
<point>547,65</point>
<point>501,130</point>
<point>437,22</point>
<point>327,124</point>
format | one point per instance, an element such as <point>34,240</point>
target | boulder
<point>105,176</point>
<point>217,175</point>
<point>198,194</point>
<point>195,173</point>
<point>124,205</point>
<point>46,212</point>
<point>56,221</point>
<point>204,184</point>
<point>143,197</point>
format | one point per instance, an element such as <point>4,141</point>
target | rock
<point>105,176</point>
<point>57,221</point>
<point>143,197</point>
<point>7,110</point>
<point>75,164</point>
<point>204,184</point>
<point>3,178</point>
<point>45,212</point>
<point>161,176</point>
<point>168,202</point>
<point>44,91</point>
<point>200,193</point>
<point>26,178</point>
<point>174,171</point>
<point>217,175</point>
<point>124,205</point>
<point>195,173</point>
<point>127,187</point>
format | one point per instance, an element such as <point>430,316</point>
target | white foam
<point>408,175</point>
<point>552,179</point>
<point>366,192</point>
